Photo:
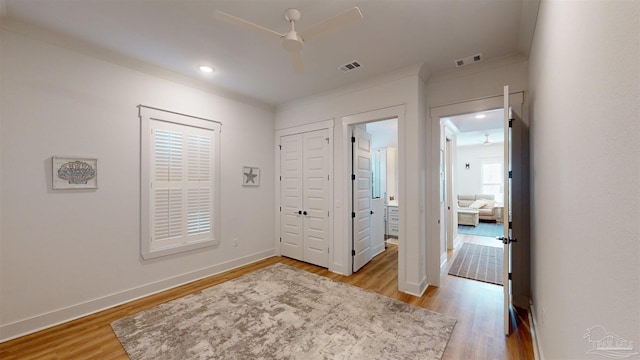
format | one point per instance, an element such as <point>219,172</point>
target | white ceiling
<point>180,35</point>
<point>478,121</point>
<point>470,129</point>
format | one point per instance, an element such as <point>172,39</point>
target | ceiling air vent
<point>469,60</point>
<point>350,66</point>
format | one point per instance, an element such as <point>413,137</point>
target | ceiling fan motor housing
<point>292,41</point>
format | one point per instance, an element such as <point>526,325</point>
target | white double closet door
<point>304,197</point>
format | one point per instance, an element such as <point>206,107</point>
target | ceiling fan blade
<point>236,20</point>
<point>340,20</point>
<point>296,58</point>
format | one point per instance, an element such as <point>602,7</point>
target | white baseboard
<point>43,321</point>
<point>457,242</point>
<point>416,289</point>
<point>443,261</point>
<point>537,347</point>
<point>378,250</point>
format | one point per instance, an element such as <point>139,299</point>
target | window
<point>179,183</point>
<point>492,179</point>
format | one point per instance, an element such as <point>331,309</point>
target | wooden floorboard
<point>477,307</point>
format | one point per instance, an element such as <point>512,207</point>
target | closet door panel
<point>316,197</point>
<point>291,200</point>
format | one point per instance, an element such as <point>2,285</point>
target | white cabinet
<point>393,217</point>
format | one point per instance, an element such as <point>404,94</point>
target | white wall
<point>383,133</point>
<point>585,112</point>
<point>67,253</point>
<point>398,89</point>
<point>2,14</point>
<point>469,181</point>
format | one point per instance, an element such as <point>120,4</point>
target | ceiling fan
<point>293,41</point>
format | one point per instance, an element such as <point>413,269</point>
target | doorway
<point>438,142</point>
<point>477,168</point>
<point>374,185</point>
<point>515,180</point>
<point>348,123</point>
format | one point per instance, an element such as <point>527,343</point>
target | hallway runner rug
<point>483,229</point>
<point>478,262</point>
<point>281,312</point>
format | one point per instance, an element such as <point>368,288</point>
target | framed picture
<point>74,173</point>
<point>250,176</point>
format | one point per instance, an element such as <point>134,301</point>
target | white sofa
<point>487,212</point>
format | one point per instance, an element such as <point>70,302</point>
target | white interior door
<point>315,207</point>
<point>448,155</point>
<point>291,190</point>
<point>507,210</point>
<point>362,250</point>
<point>515,212</point>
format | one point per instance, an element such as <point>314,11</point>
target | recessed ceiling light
<point>204,68</point>
<point>481,116</point>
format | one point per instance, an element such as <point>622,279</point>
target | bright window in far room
<point>492,178</point>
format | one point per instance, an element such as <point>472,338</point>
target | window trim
<point>147,115</point>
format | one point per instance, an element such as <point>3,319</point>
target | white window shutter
<point>181,196</point>
<point>200,188</point>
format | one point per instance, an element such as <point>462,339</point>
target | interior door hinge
<point>353,177</point>
<point>280,208</point>
<point>510,174</point>
<point>328,251</point>
<point>510,122</point>
<point>353,253</point>
<point>510,224</point>
<point>280,178</point>
<point>353,139</point>
<point>280,239</point>
<point>280,146</point>
<point>510,276</point>
<point>328,214</point>
<point>327,176</point>
<point>327,139</point>
<point>353,215</point>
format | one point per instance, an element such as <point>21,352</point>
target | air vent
<point>350,66</point>
<point>469,60</point>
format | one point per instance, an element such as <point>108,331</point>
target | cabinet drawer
<point>393,219</point>
<point>393,230</point>
<point>393,210</point>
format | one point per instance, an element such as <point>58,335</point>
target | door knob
<point>304,212</point>
<point>506,240</point>
<point>299,212</point>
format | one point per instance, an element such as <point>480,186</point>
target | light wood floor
<point>477,306</point>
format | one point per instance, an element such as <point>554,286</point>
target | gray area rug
<point>478,262</point>
<point>284,313</point>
